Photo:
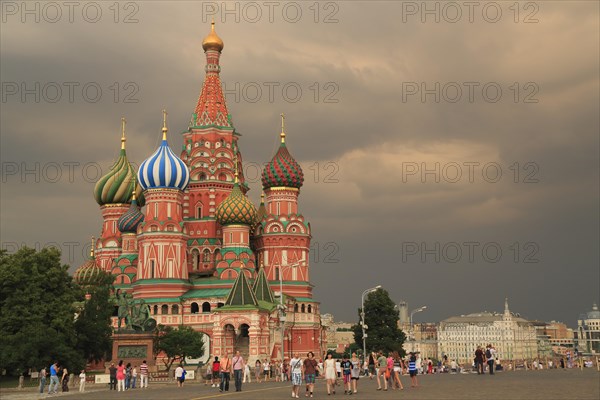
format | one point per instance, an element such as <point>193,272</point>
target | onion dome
<point>282,170</point>
<point>89,272</point>
<point>594,314</point>
<point>236,208</point>
<point>163,169</point>
<point>118,184</point>
<point>212,41</point>
<point>129,221</point>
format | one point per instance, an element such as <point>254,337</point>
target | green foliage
<point>178,343</point>
<point>37,297</point>
<point>381,318</point>
<point>93,324</point>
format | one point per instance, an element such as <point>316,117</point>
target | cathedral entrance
<point>242,342</point>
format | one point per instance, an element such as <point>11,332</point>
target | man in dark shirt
<point>310,370</point>
<point>346,366</point>
<point>479,360</point>
<point>113,377</point>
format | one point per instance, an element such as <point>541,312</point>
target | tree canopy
<point>381,318</point>
<point>178,343</point>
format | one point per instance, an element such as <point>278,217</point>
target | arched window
<point>219,305</point>
<point>309,309</point>
<point>199,210</point>
<point>155,310</point>
<point>276,274</point>
<point>175,309</point>
<point>302,309</point>
<point>195,308</point>
<point>295,307</point>
<point>206,255</point>
<point>164,309</point>
<point>206,307</point>
<point>195,259</point>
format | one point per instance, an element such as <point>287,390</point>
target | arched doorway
<point>228,338</point>
<point>242,343</point>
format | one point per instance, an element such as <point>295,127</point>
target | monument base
<point>133,348</point>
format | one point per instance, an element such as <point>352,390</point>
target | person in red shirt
<point>216,372</point>
<point>120,376</point>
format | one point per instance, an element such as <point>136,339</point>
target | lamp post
<point>412,329</point>
<point>362,315</point>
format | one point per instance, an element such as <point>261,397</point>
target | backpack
<point>488,353</point>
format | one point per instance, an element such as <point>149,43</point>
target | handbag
<point>387,373</point>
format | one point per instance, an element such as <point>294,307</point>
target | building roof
<point>482,317</point>
<point>241,294</point>
<point>261,288</point>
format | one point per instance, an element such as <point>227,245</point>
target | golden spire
<point>164,128</point>
<point>92,248</point>
<point>235,166</point>
<point>262,196</point>
<point>282,134</point>
<point>123,122</point>
<point>212,41</point>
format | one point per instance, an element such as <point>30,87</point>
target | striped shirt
<point>412,365</point>
<point>144,369</point>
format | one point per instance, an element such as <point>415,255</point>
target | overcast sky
<point>451,156</point>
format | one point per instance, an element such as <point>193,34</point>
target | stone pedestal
<point>133,348</point>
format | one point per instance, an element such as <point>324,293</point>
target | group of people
<point>59,376</point>
<point>124,376</point>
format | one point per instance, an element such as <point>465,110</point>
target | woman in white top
<point>330,373</point>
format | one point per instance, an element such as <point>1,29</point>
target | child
<point>346,367</point>
<point>82,381</point>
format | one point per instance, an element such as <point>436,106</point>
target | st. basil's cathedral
<point>201,254</point>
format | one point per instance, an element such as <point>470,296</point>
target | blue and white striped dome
<point>163,169</point>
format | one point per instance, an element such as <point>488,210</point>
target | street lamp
<point>362,315</point>
<point>412,330</point>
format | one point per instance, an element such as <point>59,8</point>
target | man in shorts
<point>346,367</point>
<point>310,369</point>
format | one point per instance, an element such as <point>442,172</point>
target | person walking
<point>257,370</point>
<point>53,378</point>
<point>143,375</point>
<point>296,371</point>
<point>208,373</point>
<point>412,370</point>
<point>133,376</point>
<point>127,376</point>
<point>479,360</point>
<point>238,366</point>
<point>330,374</point>
<point>372,370</point>
<point>309,368</point>
<point>113,377</point>
<point>381,369</point>
<point>64,381</point>
<point>346,367</point>
<point>247,373</point>
<point>266,369</point>
<point>355,372</point>
<point>397,370</point>
<point>183,375</point>
<point>120,376</point>
<point>490,354</point>
<point>178,375</point>
<point>82,381</point>
<point>225,373</point>
<point>216,372</point>
<point>42,379</point>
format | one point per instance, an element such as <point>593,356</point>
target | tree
<point>178,343</point>
<point>381,318</point>
<point>37,297</point>
<point>93,324</point>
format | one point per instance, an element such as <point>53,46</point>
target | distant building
<point>513,337</point>
<point>588,332</point>
<point>425,340</point>
<point>553,338</point>
<point>403,312</point>
<point>339,335</point>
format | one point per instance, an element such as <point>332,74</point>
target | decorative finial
<point>282,134</point>
<point>235,166</point>
<point>262,197</point>
<point>123,122</point>
<point>164,128</point>
<point>92,248</point>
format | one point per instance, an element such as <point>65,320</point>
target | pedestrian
<point>64,381</point>
<point>278,371</point>
<point>216,372</point>
<point>372,371</point>
<point>120,376</point>
<point>562,363</point>
<point>397,370</point>
<point>208,373</point>
<point>266,369</point>
<point>225,373</point>
<point>53,378</point>
<point>238,366</point>
<point>42,379</point>
<point>330,374</point>
<point>355,372</point>
<point>490,354</point>
<point>338,370</point>
<point>346,367</point>
<point>296,371</point>
<point>127,376</point>
<point>133,376</point>
<point>381,370</point>
<point>429,366</point>
<point>310,368</point>
<point>479,360</point>
<point>412,370</point>
<point>389,373</point>
<point>183,375</point>
<point>179,375</point>
<point>453,367</point>
<point>257,370</point>
<point>82,381</point>
<point>143,375</point>
<point>113,377</point>
<point>247,373</point>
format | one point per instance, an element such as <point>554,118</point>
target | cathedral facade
<point>181,236</point>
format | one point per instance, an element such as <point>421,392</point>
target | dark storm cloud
<point>354,130</point>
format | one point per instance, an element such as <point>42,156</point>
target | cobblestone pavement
<point>527,385</point>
